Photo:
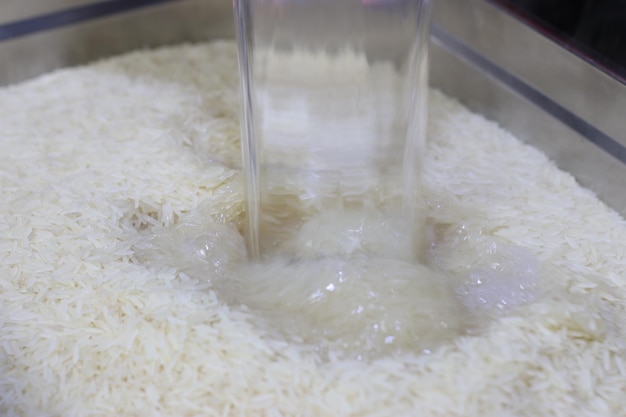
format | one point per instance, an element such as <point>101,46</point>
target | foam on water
<point>344,289</point>
<point>492,275</point>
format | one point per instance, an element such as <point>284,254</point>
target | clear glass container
<point>333,118</point>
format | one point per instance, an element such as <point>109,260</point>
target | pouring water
<point>334,107</point>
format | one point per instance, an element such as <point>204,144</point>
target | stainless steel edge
<point>592,167</point>
<point>565,78</point>
<point>13,10</point>
<point>168,23</point>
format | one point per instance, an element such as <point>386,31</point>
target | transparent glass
<point>333,115</point>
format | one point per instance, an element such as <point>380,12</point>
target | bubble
<point>491,274</point>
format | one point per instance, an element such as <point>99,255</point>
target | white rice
<point>94,156</point>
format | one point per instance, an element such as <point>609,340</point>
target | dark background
<point>595,29</point>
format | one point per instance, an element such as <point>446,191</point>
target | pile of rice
<point>95,156</point>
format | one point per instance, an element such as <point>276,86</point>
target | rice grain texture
<point>94,156</point>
